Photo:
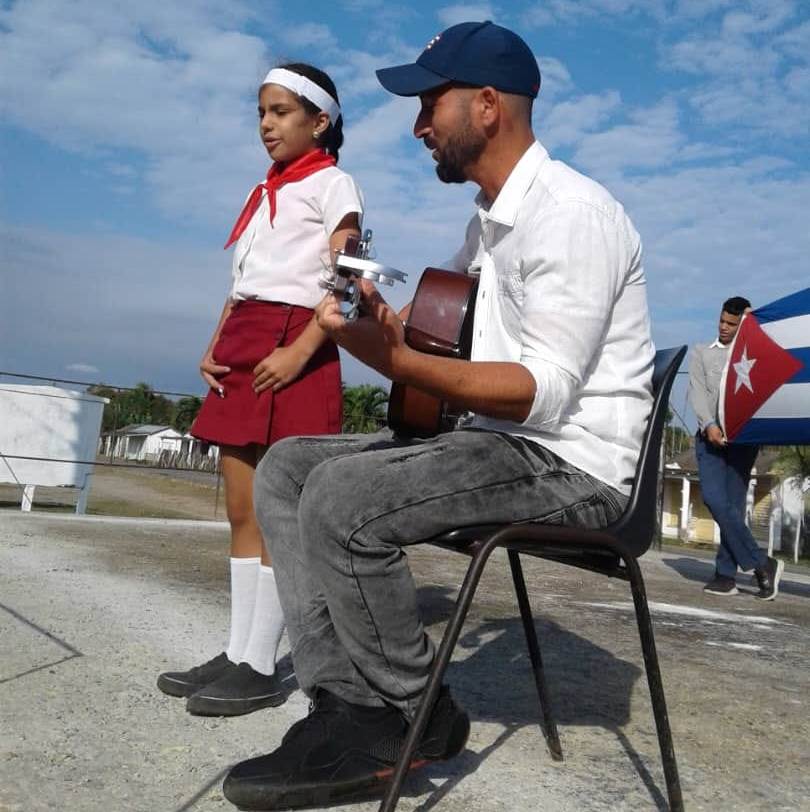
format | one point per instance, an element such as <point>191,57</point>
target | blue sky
<point>128,141</point>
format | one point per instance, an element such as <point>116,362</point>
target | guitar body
<point>440,322</point>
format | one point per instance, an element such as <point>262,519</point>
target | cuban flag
<point>765,389</point>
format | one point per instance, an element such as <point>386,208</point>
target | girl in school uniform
<point>271,371</point>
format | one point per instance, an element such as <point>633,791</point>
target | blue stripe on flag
<point>801,354</point>
<point>776,431</point>
<point>797,304</point>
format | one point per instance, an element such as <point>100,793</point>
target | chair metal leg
<point>659,703</point>
<point>431,692</point>
<point>549,725</point>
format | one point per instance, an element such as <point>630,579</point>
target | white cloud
<point>555,78</point>
<point>711,232</point>
<point>121,170</point>
<point>696,9</point>
<point>465,12</point>
<point>762,18</point>
<point>354,71</point>
<point>169,82</point>
<point>568,121</point>
<point>751,68</point>
<point>552,12</point>
<point>795,42</point>
<point>87,369</point>
<point>314,35</point>
<point>537,16</point>
<point>650,140</point>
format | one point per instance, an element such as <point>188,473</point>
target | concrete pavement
<point>92,609</point>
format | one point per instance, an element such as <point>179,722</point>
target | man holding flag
<point>725,467</point>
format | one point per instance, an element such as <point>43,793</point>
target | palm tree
<point>364,408</point>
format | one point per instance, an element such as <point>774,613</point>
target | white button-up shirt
<point>562,292</point>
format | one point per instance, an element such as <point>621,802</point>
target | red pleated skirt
<point>312,404</point>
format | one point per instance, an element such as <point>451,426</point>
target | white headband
<point>306,88</point>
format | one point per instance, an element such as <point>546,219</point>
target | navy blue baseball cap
<point>477,54</point>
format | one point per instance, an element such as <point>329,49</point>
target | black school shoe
<point>341,752</point>
<point>768,578</point>
<point>721,585</point>
<point>237,691</point>
<point>185,683</point>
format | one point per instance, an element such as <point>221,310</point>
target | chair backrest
<point>636,526</point>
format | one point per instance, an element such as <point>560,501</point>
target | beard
<point>462,149</point>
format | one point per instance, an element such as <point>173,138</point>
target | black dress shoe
<point>341,752</point>
<point>238,690</point>
<point>185,683</point>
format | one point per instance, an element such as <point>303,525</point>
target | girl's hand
<point>210,370</point>
<point>328,314</point>
<point>280,368</point>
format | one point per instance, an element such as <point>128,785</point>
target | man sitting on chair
<point>560,383</point>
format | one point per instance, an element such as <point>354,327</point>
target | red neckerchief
<point>277,176</point>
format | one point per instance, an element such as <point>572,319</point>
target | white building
<point>143,442</point>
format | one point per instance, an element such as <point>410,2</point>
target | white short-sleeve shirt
<point>286,262</point>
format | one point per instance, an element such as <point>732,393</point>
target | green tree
<point>794,460</point>
<point>676,438</point>
<point>137,405</point>
<point>364,408</point>
<point>109,418</point>
<point>142,405</point>
<point>185,410</point>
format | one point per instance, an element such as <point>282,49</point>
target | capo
<point>351,264</point>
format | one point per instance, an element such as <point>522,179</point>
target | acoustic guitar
<point>440,322</point>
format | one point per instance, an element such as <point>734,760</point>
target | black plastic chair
<point>612,551</point>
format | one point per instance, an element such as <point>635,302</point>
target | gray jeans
<point>336,512</point>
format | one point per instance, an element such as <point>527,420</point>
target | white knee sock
<point>268,625</point>
<point>244,584</point>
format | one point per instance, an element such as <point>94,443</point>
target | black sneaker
<point>341,752</point>
<point>721,585</point>
<point>447,730</point>
<point>185,683</point>
<point>768,578</point>
<point>238,690</point>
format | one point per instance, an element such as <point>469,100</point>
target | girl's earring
<point>316,134</point>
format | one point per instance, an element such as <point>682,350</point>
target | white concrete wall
<point>46,421</point>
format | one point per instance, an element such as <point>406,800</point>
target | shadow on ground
<point>702,572</point>
<point>493,682</point>
<point>587,685</point>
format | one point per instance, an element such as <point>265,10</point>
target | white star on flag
<point>743,369</point>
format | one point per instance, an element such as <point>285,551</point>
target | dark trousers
<point>724,476</point>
